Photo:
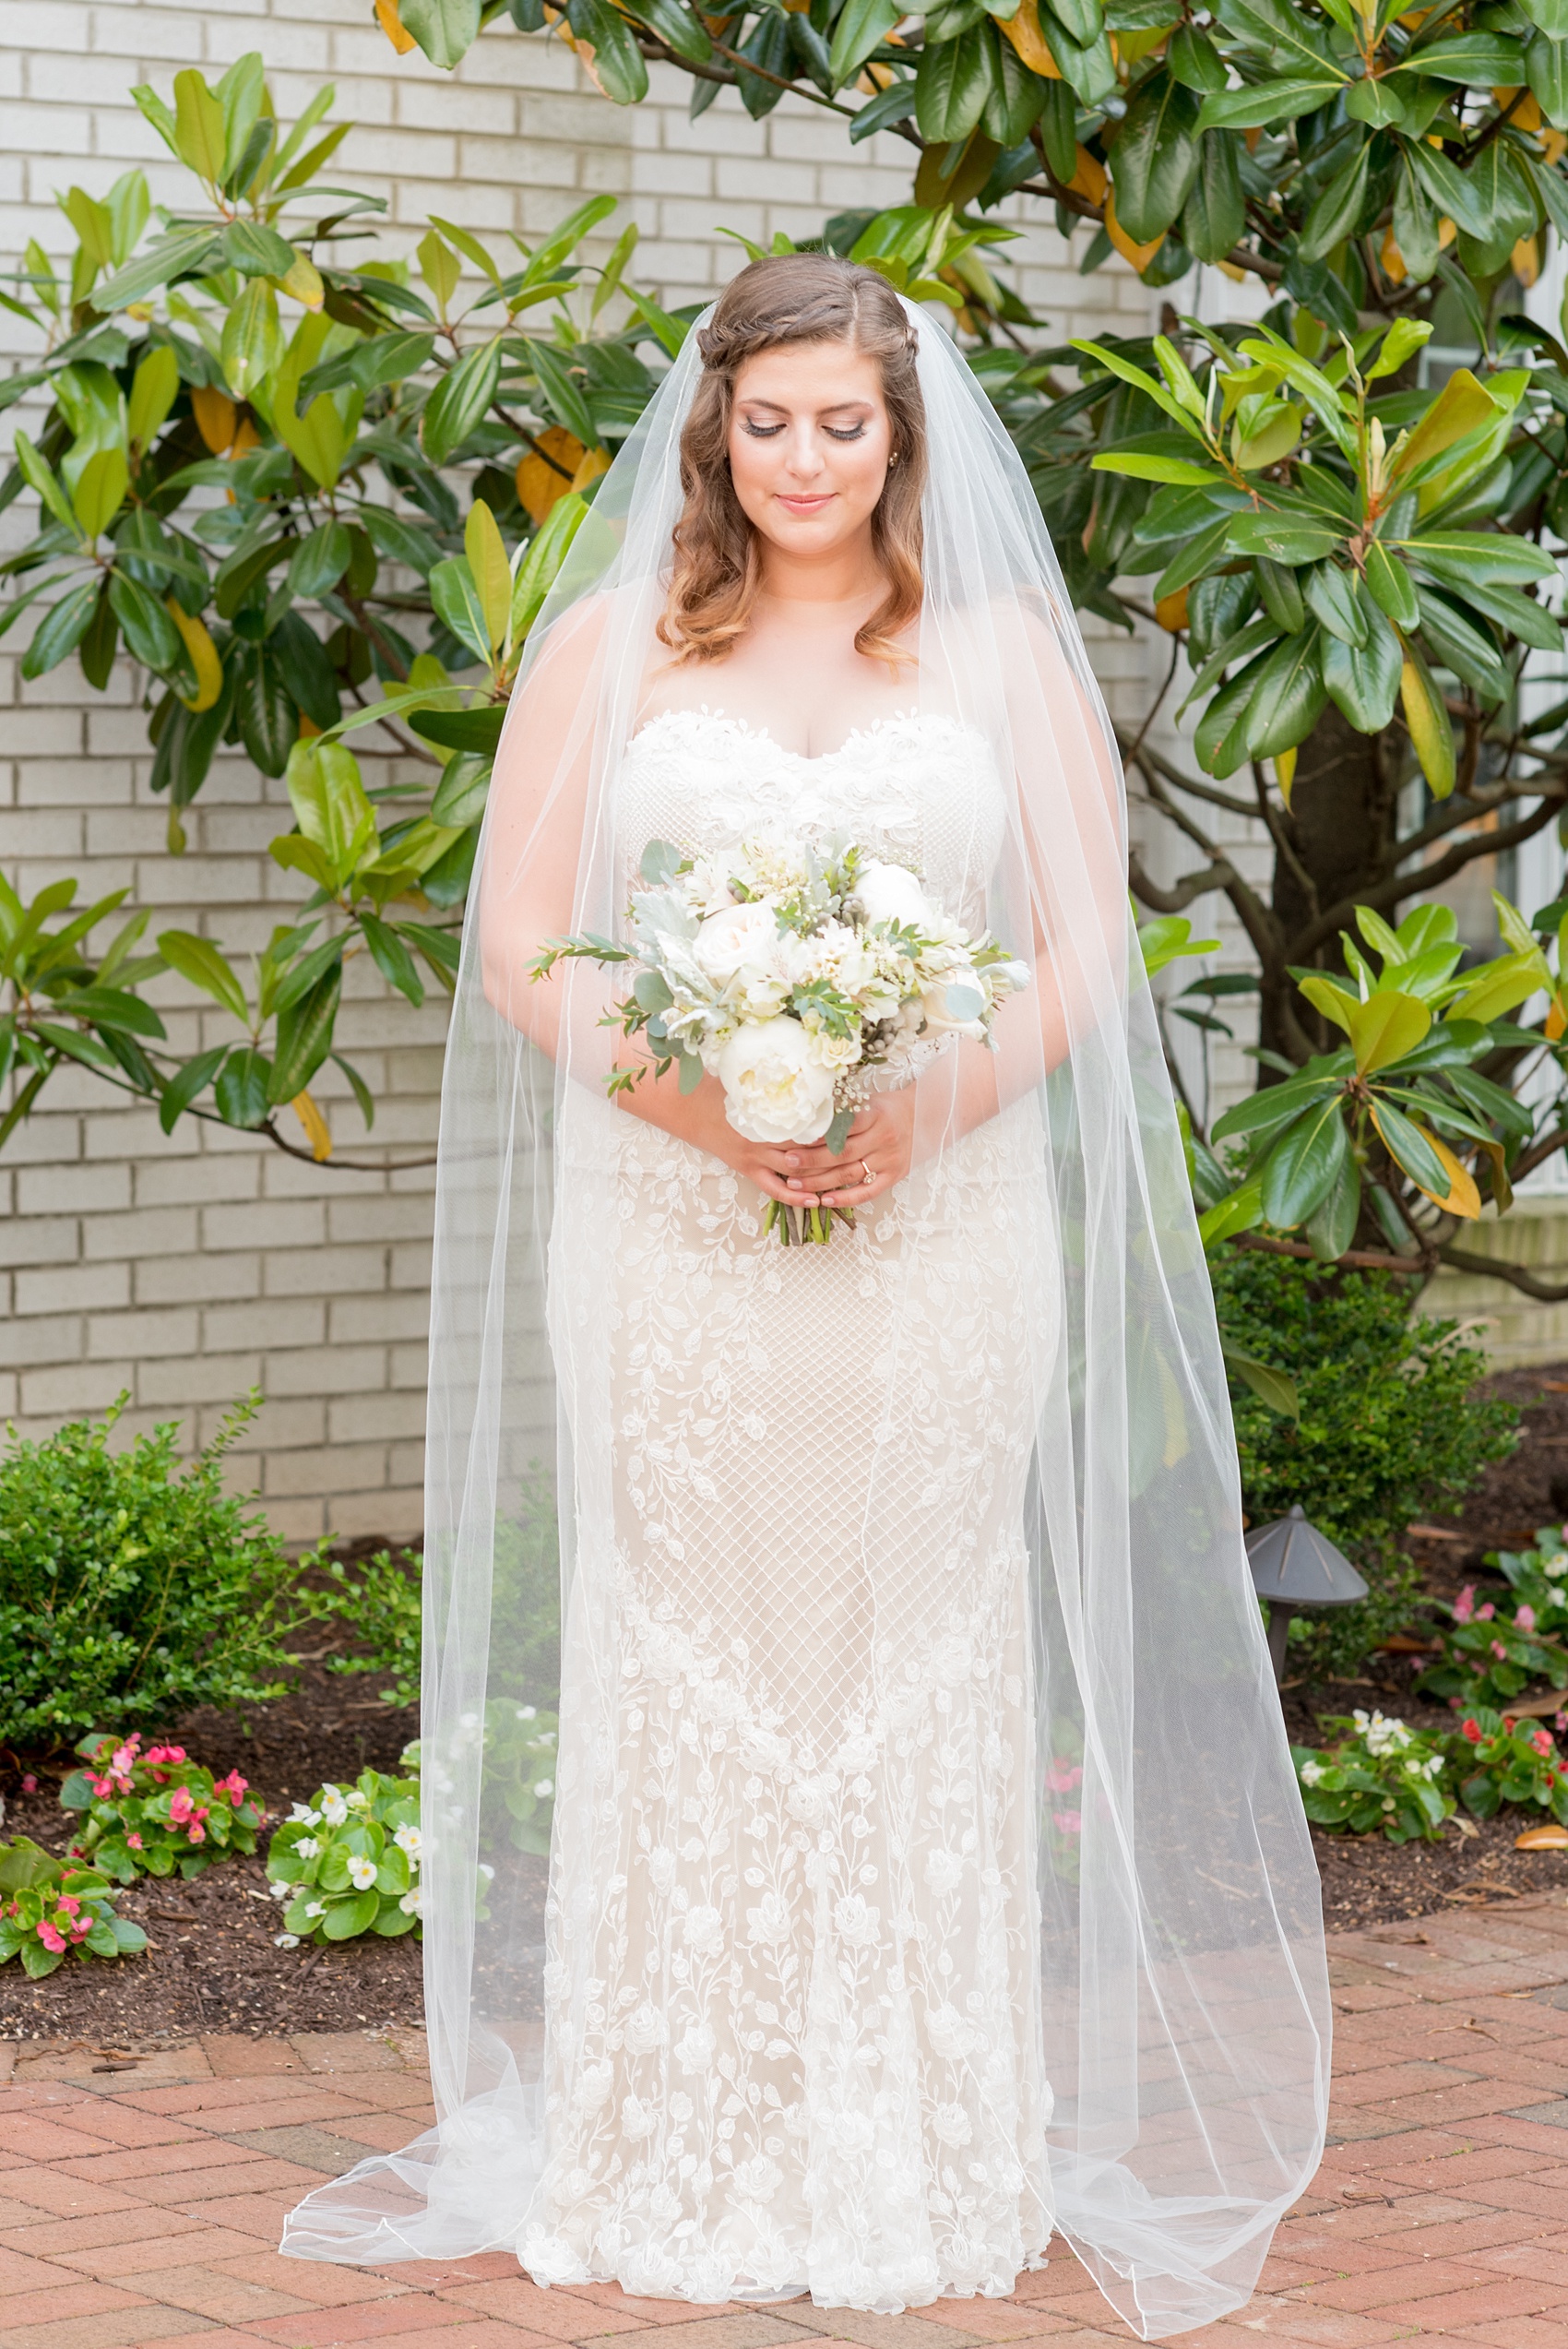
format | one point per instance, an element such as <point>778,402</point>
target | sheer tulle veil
<point>1183,1986</point>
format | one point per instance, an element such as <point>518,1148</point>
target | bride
<point>927,1871</point>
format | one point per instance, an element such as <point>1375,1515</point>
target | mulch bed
<point>212,1963</point>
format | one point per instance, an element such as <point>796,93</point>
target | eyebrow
<point>833,407</point>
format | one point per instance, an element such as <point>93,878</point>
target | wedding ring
<point>865,1170</point>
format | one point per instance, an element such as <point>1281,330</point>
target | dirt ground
<point>212,1963</point>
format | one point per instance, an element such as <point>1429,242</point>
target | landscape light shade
<point>1295,1567</point>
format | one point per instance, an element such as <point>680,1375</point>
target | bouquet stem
<point>804,1226</point>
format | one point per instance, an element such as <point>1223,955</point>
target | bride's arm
<point>540,800</point>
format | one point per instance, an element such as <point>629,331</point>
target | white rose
<point>776,1088</point>
<point>955,1007</point>
<point>728,941</point>
<point>891,893</point>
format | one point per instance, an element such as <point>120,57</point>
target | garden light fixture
<point>1295,1567</point>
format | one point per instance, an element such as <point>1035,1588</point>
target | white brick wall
<point>188,1269</point>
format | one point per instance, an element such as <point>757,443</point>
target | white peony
<point>892,893</point>
<point>727,942</point>
<point>776,1088</point>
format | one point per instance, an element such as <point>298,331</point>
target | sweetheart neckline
<point>744,729</point>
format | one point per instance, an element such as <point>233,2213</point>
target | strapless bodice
<point>917,787</point>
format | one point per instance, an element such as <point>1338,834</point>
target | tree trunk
<point>1341,838</point>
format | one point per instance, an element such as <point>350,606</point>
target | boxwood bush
<point>1391,1428</point>
<point>132,1590</point>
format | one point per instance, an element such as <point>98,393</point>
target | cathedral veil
<point>1182,1988</point>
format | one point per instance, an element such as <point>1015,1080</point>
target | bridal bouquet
<point>790,974</point>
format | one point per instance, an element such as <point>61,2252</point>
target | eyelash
<point>771,432</point>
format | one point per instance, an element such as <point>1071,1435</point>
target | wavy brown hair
<point>789,298</point>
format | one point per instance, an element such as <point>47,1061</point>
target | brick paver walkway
<point>140,2207</point>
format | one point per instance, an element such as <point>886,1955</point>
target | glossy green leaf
<point>1331,1228</point>
<point>1336,209</point>
<point>1385,1028</point>
<point>679,28</point>
<point>1194,62</point>
<point>859,28</point>
<point>319,561</point>
<point>305,1037</point>
<point>1155,159</point>
<point>206,966</point>
<point>1215,216</point>
<point>1391,586</point>
<point>1461,648</point>
<point>1260,106</point>
<point>952,84</point>
<point>617,63</point>
<point>1304,1164</point>
<point>1282,592</point>
<point>1287,701</point>
<point>1330,594</point>
<point>1284,538</point>
<point>150,635</point>
<point>460,400</point>
<point>1363,680</point>
<point>455,598</point>
<point>240,1089</point>
<point>445,30</point>
<point>61,629</point>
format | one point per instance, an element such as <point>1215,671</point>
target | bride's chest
<point>919,788</point>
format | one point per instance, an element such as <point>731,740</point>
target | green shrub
<point>131,1593</point>
<point>1389,1430</point>
<point>379,1599</point>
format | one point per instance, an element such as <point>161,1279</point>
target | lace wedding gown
<point>792,2028</point>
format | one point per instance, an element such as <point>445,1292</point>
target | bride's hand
<point>878,1153</point>
<point>700,1118</point>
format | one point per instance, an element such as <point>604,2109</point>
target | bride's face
<point>810,439</point>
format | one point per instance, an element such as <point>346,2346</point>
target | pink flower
<point>29,1784</point>
<point>134,1840</point>
<point>1464,1605</point>
<point>1541,1741</point>
<point>233,1786</point>
<point>196,1832</point>
<point>1561,1722</point>
<point>1062,1776</point>
<point>1523,1618</point>
<point>1500,1652</point>
<point>181,1803</point>
<point>69,1903</point>
<point>1472,1730</point>
<point>49,1939</point>
<point>1484,1615</point>
<point>81,1928</point>
<point>1068,1822</point>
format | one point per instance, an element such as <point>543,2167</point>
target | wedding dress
<point>793,2041</point>
<point>928,1867</point>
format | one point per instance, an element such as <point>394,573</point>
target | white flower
<point>306,1848</point>
<point>645,2030</point>
<point>769,1921</point>
<point>595,2086</point>
<point>1382,1734</point>
<point>661,1866</point>
<point>775,1089</point>
<point>302,1816</point>
<point>694,2050</point>
<point>856,1923</point>
<point>1556,1567</point>
<point>411,1903</point>
<point>637,2120</point>
<point>950,2034</point>
<point>315,1908</point>
<point>285,1940</point>
<point>950,2125</point>
<point>955,1006</point>
<point>1310,1772</point>
<point>407,1840</point>
<point>356,1799</point>
<point>943,1871</point>
<point>286,1892</point>
<point>728,942</point>
<point>361,1873</point>
<point>542,1787</point>
<point>756,2180</point>
<point>334,1809</point>
<point>891,893</point>
<point>703,1930</point>
<point>527,1712</point>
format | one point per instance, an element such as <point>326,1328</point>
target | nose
<point>802,453</point>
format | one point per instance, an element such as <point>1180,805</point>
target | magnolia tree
<point>317,505</point>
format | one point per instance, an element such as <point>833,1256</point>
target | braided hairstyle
<point>717,572</point>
